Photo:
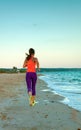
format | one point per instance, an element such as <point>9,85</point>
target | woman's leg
<point>28,82</point>
<point>34,79</point>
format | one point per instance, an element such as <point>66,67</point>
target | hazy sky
<point>51,27</point>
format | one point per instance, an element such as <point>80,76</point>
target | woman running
<point>31,63</point>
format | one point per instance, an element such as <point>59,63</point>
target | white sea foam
<point>65,101</point>
<point>45,90</point>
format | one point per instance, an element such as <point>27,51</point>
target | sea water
<point>65,82</point>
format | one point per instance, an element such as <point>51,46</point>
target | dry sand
<point>47,114</point>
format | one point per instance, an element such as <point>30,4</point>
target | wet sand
<point>47,114</point>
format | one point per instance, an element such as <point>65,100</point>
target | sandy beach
<point>48,113</point>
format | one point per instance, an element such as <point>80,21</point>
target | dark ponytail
<point>28,56</point>
<point>31,52</point>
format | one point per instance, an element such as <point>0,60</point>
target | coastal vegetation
<point>12,70</point>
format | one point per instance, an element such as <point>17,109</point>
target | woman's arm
<point>37,62</point>
<point>25,63</point>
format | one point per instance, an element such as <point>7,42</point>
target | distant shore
<point>12,70</point>
<point>23,70</point>
<point>47,114</point>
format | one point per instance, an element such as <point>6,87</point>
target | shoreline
<point>71,97</point>
<point>47,114</point>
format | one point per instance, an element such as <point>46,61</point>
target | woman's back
<point>31,65</point>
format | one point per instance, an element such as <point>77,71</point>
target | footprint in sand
<point>46,116</point>
<point>3,116</point>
